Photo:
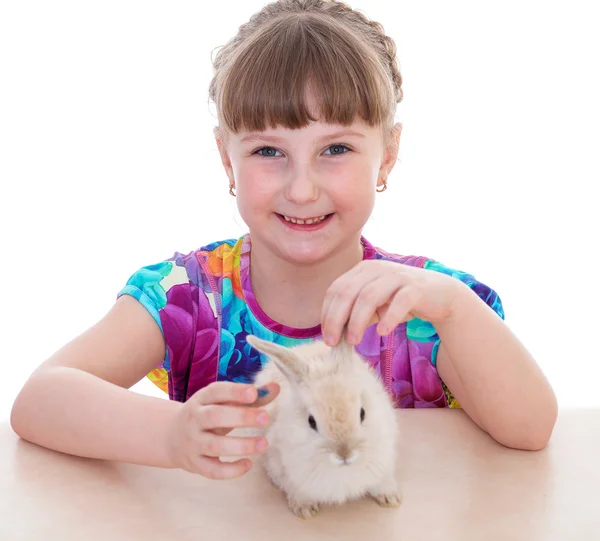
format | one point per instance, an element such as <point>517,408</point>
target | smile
<point>307,221</point>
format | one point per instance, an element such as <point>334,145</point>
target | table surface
<point>457,484</point>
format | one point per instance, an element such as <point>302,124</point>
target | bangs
<point>270,81</point>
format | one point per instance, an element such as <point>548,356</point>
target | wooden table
<point>457,484</point>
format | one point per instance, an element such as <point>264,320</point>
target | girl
<point>306,96</point>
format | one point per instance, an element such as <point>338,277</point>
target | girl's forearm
<point>74,412</point>
<point>497,377</point>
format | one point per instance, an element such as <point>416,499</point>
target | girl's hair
<point>262,75</point>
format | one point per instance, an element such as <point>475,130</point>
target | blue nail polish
<point>262,393</point>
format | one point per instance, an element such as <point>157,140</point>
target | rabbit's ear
<point>289,362</point>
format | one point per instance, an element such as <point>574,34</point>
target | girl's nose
<point>302,188</point>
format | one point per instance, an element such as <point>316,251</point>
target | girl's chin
<point>319,251</point>
<point>304,254</point>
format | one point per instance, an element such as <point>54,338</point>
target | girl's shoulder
<point>153,282</point>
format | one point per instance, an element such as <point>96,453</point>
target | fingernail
<point>263,418</point>
<point>329,340</point>
<point>249,394</point>
<point>351,338</point>
<point>262,392</point>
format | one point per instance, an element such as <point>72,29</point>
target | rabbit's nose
<point>344,456</point>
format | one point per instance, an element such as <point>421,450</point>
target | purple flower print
<point>415,381</point>
<point>427,387</point>
<point>370,347</point>
<point>189,324</point>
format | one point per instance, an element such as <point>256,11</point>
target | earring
<point>231,188</point>
<point>383,187</point>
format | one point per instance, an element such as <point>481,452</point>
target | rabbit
<point>333,432</point>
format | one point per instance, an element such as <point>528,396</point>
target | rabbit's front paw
<point>304,509</point>
<point>387,499</point>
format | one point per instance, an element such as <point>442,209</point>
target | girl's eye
<point>338,149</point>
<point>269,152</point>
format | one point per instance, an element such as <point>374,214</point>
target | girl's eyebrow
<point>258,136</point>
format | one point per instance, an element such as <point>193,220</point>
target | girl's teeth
<point>302,222</point>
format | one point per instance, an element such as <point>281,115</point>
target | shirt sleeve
<point>164,290</point>
<point>484,292</point>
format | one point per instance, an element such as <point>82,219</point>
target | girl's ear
<point>221,141</point>
<point>390,156</point>
<point>293,367</point>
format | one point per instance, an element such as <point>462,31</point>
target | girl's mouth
<point>305,224</point>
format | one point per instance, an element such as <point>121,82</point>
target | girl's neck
<point>293,294</point>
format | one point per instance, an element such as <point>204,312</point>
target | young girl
<point>306,96</point>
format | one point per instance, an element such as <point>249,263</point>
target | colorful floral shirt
<point>204,305</point>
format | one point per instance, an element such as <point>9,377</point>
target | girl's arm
<point>493,376</point>
<point>78,401</point>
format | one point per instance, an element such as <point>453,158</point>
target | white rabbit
<point>332,436</point>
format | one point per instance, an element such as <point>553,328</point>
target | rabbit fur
<point>333,431</point>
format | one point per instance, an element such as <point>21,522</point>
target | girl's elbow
<point>531,434</point>
<point>523,441</point>
<point>536,442</point>
<point>546,424</point>
<point>17,422</point>
<point>21,413</point>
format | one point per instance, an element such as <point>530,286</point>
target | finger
<point>216,446</point>
<point>213,468</point>
<point>340,307</point>
<point>266,394</point>
<point>370,299</point>
<point>340,284</point>
<point>226,392</point>
<point>398,310</point>
<point>219,416</point>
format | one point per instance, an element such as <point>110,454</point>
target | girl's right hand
<point>198,436</point>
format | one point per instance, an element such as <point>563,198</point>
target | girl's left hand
<point>386,293</point>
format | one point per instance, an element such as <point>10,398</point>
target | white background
<point>107,162</point>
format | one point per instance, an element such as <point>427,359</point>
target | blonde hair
<point>262,75</point>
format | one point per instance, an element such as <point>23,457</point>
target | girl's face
<point>305,194</point>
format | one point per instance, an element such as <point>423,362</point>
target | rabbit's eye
<point>362,414</point>
<point>312,422</point>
